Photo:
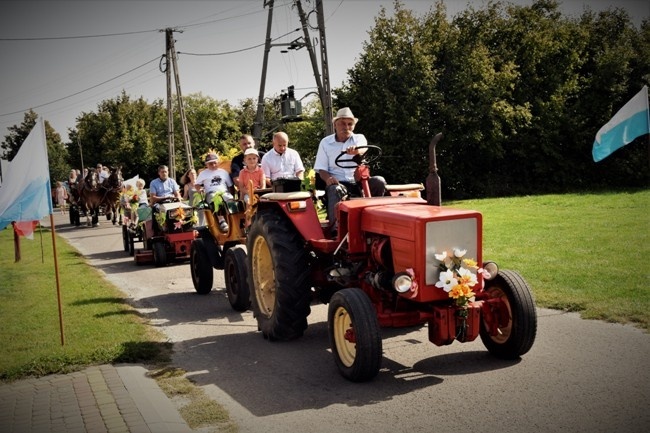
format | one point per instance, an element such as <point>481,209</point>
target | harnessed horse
<point>90,197</point>
<point>112,188</point>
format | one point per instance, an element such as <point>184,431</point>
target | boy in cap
<point>213,180</point>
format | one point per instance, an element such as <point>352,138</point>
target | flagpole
<point>646,98</point>
<point>40,232</point>
<point>16,243</point>
<point>58,284</point>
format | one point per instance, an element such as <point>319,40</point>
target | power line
<point>106,35</point>
<point>80,91</point>
<point>55,38</point>
<point>237,51</point>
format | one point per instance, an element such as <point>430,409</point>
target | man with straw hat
<point>340,181</point>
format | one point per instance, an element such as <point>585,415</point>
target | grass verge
<point>578,252</point>
<point>196,408</point>
<point>99,325</point>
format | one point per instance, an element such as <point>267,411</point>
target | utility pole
<point>171,54</point>
<point>326,99</point>
<point>170,113</point>
<point>310,48</point>
<point>259,118</point>
<point>324,91</point>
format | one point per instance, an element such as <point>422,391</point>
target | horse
<point>90,197</point>
<point>112,187</point>
<point>73,202</point>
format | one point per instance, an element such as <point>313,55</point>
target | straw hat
<point>344,113</point>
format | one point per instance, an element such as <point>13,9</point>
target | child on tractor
<point>251,172</point>
<point>215,181</point>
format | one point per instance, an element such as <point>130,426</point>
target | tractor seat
<point>405,190</point>
<point>296,195</point>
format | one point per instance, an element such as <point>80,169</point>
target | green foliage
<point>519,93</point>
<point>56,151</point>
<point>578,252</point>
<point>212,125</point>
<point>122,132</point>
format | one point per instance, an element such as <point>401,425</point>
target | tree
<point>518,92</point>
<point>123,132</point>
<point>392,89</point>
<point>213,125</point>
<point>56,151</point>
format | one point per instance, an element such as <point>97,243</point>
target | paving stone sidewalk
<point>105,398</point>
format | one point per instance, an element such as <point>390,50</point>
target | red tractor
<point>397,261</point>
<point>167,235</point>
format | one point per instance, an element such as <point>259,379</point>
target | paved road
<point>580,376</point>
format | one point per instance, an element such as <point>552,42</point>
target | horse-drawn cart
<point>132,226</point>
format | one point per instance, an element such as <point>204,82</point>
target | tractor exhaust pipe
<point>433,180</point>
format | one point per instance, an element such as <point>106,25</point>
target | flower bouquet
<point>458,276</point>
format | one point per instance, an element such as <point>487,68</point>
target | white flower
<point>447,281</point>
<point>459,253</point>
<point>445,259</point>
<point>467,277</point>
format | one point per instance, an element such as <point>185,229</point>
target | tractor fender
<point>298,207</point>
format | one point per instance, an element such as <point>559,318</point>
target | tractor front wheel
<point>355,335</point>
<point>235,275</point>
<point>200,267</point>
<point>518,335</point>
<point>278,277</point>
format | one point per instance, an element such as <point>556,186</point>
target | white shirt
<point>214,180</point>
<point>329,149</point>
<point>277,165</point>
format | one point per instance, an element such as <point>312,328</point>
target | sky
<point>65,64</point>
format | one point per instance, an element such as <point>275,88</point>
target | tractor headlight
<point>490,270</point>
<point>402,282</point>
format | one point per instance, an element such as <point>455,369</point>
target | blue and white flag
<point>630,122</point>
<point>26,192</point>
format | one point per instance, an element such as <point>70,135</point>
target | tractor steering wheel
<point>356,160</point>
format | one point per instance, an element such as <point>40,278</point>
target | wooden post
<point>16,243</point>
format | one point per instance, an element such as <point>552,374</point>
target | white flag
<point>26,192</point>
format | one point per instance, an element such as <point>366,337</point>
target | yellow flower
<point>470,263</point>
<point>457,291</point>
<point>180,214</point>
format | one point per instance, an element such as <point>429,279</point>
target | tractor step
<point>143,256</point>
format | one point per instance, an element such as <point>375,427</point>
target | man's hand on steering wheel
<point>361,155</point>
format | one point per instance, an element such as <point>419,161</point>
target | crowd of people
<point>250,165</point>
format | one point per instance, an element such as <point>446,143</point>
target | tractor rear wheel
<point>517,337</point>
<point>131,244</point>
<point>278,277</point>
<point>159,254</point>
<point>125,238</point>
<point>355,335</point>
<point>235,276</point>
<point>200,267</point>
